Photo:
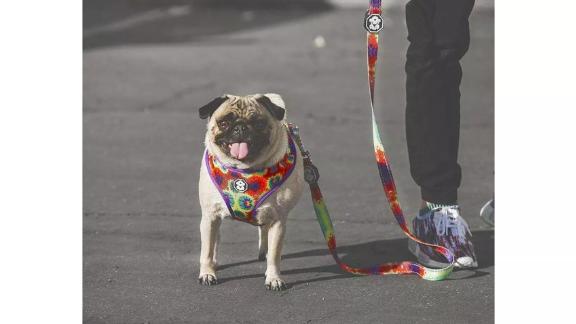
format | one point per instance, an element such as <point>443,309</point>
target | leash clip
<point>373,23</point>
<point>311,174</point>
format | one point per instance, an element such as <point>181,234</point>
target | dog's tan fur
<point>273,212</point>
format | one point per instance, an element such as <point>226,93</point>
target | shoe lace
<point>447,220</point>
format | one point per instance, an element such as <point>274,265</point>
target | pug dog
<point>248,133</point>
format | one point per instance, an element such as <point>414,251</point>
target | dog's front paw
<point>276,284</point>
<point>208,280</point>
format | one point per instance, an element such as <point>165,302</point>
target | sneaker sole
<point>425,260</point>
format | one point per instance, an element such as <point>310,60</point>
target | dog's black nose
<point>240,130</point>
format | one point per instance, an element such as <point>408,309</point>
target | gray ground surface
<point>143,143</point>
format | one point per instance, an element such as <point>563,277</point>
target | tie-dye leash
<point>373,24</point>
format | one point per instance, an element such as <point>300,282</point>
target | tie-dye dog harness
<point>244,190</point>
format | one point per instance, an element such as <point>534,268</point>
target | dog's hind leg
<point>209,229</point>
<point>262,242</point>
<point>275,241</point>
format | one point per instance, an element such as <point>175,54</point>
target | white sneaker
<point>445,227</point>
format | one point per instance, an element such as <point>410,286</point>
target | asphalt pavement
<point>146,70</point>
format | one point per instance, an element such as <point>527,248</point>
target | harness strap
<point>373,24</point>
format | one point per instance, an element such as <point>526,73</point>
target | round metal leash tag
<point>373,23</point>
<point>311,174</point>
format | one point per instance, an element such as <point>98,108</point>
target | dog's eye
<point>223,124</point>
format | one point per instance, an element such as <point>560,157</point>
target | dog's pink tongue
<point>239,150</point>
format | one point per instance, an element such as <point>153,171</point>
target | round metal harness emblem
<point>240,185</point>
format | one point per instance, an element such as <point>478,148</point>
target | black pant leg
<point>439,37</point>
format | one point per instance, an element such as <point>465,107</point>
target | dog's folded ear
<point>274,104</point>
<point>208,109</point>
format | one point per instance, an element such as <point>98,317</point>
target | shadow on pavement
<point>121,22</point>
<point>377,252</point>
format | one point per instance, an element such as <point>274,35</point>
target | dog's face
<point>243,127</point>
